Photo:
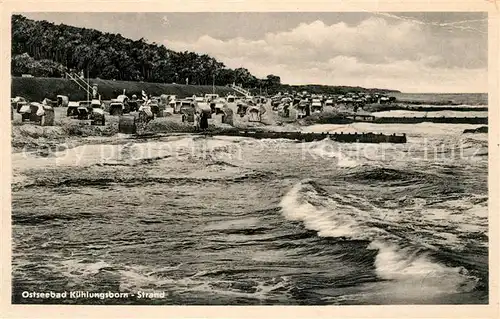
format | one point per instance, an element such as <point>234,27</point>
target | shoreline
<point>70,133</point>
<point>45,140</point>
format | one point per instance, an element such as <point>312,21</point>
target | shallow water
<point>468,99</point>
<point>242,221</point>
<point>403,113</point>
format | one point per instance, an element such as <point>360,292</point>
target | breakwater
<point>418,108</point>
<point>297,136</point>
<point>310,137</point>
<point>397,120</point>
<point>450,120</point>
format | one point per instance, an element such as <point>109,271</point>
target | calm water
<point>465,99</point>
<point>240,221</point>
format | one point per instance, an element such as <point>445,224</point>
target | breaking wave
<point>398,258</point>
<point>329,149</point>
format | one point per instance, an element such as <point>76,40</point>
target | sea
<point>198,220</point>
<point>469,99</point>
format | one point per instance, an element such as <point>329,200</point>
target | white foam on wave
<point>91,154</point>
<point>168,278</point>
<point>329,149</point>
<point>403,264</point>
<point>407,265</point>
<point>80,272</point>
<point>319,219</point>
<point>473,146</point>
<point>146,279</point>
<point>128,153</point>
<point>241,223</point>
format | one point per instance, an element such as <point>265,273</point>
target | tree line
<point>41,48</point>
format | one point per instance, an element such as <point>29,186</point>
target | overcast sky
<point>411,52</point>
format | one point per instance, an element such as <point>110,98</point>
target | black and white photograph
<point>249,158</point>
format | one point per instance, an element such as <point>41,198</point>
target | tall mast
<point>88,84</point>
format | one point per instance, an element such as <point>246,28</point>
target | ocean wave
<point>385,174</point>
<point>128,154</point>
<point>477,144</point>
<point>397,258</point>
<point>209,282</point>
<point>416,265</point>
<point>442,182</point>
<point>329,149</point>
<point>49,181</point>
<point>297,208</point>
<point>426,181</point>
<point>36,218</point>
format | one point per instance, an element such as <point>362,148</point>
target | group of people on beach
<point>202,114</point>
<point>201,120</point>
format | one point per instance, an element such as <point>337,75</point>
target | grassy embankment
<point>36,89</point>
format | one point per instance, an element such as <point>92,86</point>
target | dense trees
<point>45,49</point>
<point>273,81</point>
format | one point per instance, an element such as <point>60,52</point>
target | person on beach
<point>145,112</point>
<point>227,116</point>
<point>196,119</point>
<point>203,121</point>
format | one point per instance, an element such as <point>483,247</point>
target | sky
<point>410,52</point>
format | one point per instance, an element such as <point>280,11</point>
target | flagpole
<point>88,84</point>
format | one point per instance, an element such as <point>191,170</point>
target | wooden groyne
<point>424,102</point>
<point>418,108</point>
<point>449,120</point>
<point>296,136</point>
<point>310,137</point>
<point>446,108</point>
<point>400,120</point>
